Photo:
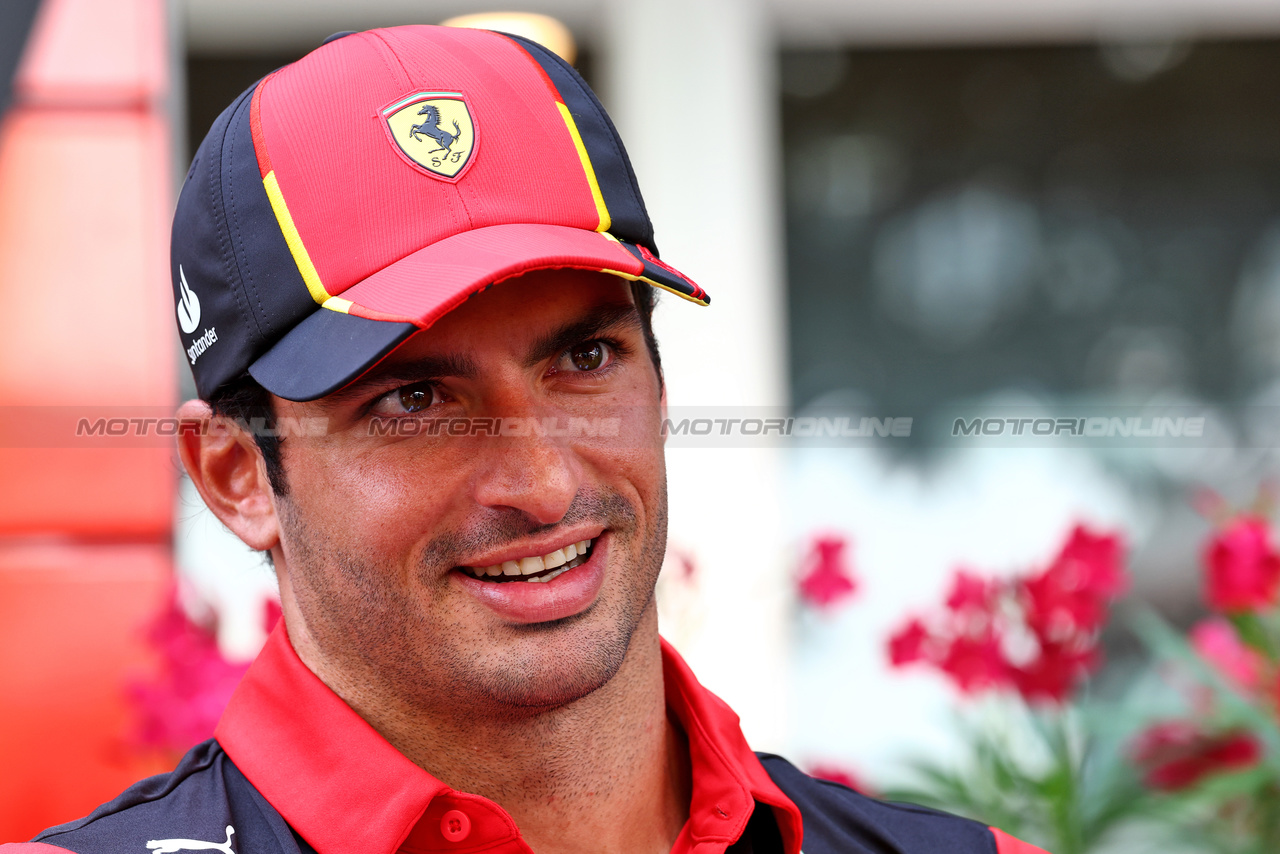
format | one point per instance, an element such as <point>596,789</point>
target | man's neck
<point>607,773</point>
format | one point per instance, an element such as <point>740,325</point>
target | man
<point>414,279</point>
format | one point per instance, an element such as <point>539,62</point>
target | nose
<point>532,471</point>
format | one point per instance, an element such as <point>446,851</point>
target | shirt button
<point>455,825</point>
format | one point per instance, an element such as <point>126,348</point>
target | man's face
<point>391,529</point>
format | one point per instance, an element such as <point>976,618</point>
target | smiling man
<point>429,242</point>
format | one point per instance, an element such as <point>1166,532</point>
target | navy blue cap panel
<point>667,278</point>
<point>618,185</point>
<point>273,284</point>
<point>215,322</point>
<point>246,291</point>
<point>325,352</point>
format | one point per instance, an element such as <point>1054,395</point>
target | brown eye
<point>590,356</point>
<point>415,398</point>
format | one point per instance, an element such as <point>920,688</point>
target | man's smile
<point>552,593</point>
<point>535,568</point>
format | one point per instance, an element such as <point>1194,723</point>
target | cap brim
<point>356,329</point>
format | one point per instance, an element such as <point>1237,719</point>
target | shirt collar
<point>335,779</point>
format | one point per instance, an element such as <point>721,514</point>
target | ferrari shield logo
<point>434,130</point>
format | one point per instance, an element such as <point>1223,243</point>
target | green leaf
<point>1254,634</point>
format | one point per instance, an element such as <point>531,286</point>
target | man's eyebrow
<point>405,373</point>
<point>603,319</point>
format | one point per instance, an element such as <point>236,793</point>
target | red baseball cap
<point>352,198</point>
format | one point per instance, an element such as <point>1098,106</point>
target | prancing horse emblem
<point>172,846</point>
<point>434,130</point>
<point>431,127</point>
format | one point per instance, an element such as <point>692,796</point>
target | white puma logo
<point>170,846</point>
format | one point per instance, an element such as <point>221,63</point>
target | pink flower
<point>1073,593</point>
<point>969,592</point>
<point>907,645</point>
<point>180,706</point>
<point>828,580</point>
<point>975,663</point>
<point>1243,568</point>
<point>1054,673</point>
<point>1099,560</point>
<point>1034,634</point>
<point>1217,643</point>
<point>1176,755</point>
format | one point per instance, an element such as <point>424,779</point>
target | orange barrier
<point>72,619</point>
<point>86,322</point>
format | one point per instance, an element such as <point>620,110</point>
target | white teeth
<point>532,565</point>
<point>550,575</point>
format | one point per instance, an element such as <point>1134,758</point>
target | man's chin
<point>552,668</point>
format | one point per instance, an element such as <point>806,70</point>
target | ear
<point>224,463</point>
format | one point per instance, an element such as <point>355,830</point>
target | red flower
<point>1243,568</point>
<point>1034,634</point>
<point>970,593</point>
<point>1218,644</point>
<point>1054,672</point>
<point>907,645</point>
<point>829,580</point>
<point>179,707</point>
<point>1176,755</point>
<point>1073,593</point>
<point>1099,560</point>
<point>975,663</point>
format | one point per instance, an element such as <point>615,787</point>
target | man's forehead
<point>531,318</point>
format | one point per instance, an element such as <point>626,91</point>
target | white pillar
<point>691,87</point>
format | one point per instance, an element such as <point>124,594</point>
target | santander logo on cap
<point>188,305</point>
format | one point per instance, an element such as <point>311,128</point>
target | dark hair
<point>245,401</point>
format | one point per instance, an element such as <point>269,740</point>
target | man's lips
<point>554,595</point>
<point>535,568</point>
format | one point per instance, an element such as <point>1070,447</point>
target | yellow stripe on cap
<point>631,277</point>
<point>294,240</point>
<point>337,304</point>
<point>601,210</point>
<point>672,290</point>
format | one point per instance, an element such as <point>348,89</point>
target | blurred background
<point>923,210</point>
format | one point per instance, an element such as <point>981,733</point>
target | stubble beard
<point>381,645</point>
